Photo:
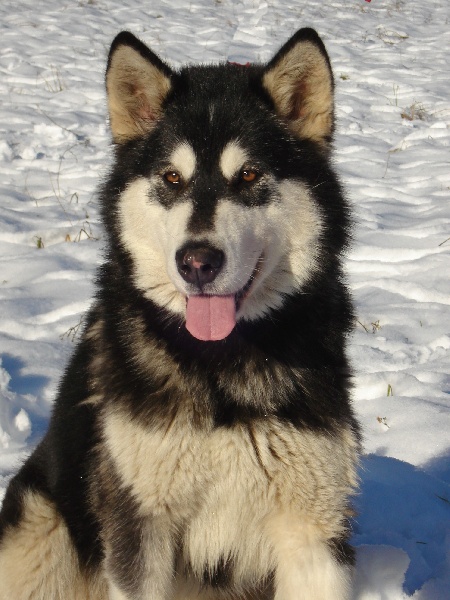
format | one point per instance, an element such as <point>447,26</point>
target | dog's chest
<point>211,486</point>
<point>220,487</point>
<point>179,468</point>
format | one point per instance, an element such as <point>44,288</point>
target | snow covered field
<point>391,62</point>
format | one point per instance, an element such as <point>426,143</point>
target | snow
<point>392,149</point>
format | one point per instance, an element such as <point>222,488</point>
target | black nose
<point>199,264</point>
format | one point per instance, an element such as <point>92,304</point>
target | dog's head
<point>215,178</point>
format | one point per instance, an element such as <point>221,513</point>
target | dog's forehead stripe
<point>183,160</point>
<point>232,159</point>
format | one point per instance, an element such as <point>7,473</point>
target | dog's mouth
<point>211,317</point>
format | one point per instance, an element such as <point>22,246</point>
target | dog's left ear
<point>137,83</point>
<point>300,82</point>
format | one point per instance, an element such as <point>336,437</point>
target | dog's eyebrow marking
<point>183,160</point>
<point>233,159</point>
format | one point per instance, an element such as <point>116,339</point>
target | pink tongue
<point>210,318</point>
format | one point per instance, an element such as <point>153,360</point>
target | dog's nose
<point>199,264</point>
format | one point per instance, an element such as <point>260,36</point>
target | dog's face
<point>218,219</point>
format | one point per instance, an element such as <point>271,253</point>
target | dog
<point>203,444</point>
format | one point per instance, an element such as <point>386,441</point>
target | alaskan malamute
<point>202,445</point>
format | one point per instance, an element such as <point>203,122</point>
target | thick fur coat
<point>202,444</point>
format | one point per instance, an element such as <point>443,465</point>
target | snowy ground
<point>392,71</point>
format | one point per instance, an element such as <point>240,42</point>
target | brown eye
<point>249,175</point>
<point>172,177</point>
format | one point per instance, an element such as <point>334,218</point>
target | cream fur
<point>190,589</point>
<point>115,593</point>
<point>233,158</point>
<point>305,569</point>
<point>183,160</point>
<point>244,493</point>
<point>136,90</point>
<point>152,234</point>
<point>38,561</point>
<point>301,86</point>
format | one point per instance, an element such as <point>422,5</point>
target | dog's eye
<point>248,175</point>
<point>172,177</point>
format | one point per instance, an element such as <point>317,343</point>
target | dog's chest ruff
<point>225,485</point>
<point>165,467</point>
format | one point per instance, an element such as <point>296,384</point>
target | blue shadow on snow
<point>406,507</point>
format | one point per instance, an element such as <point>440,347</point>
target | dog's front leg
<point>140,557</point>
<point>308,566</point>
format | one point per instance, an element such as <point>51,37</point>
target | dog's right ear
<point>137,82</point>
<point>300,83</point>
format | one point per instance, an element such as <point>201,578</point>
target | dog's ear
<point>300,82</point>
<point>137,82</point>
